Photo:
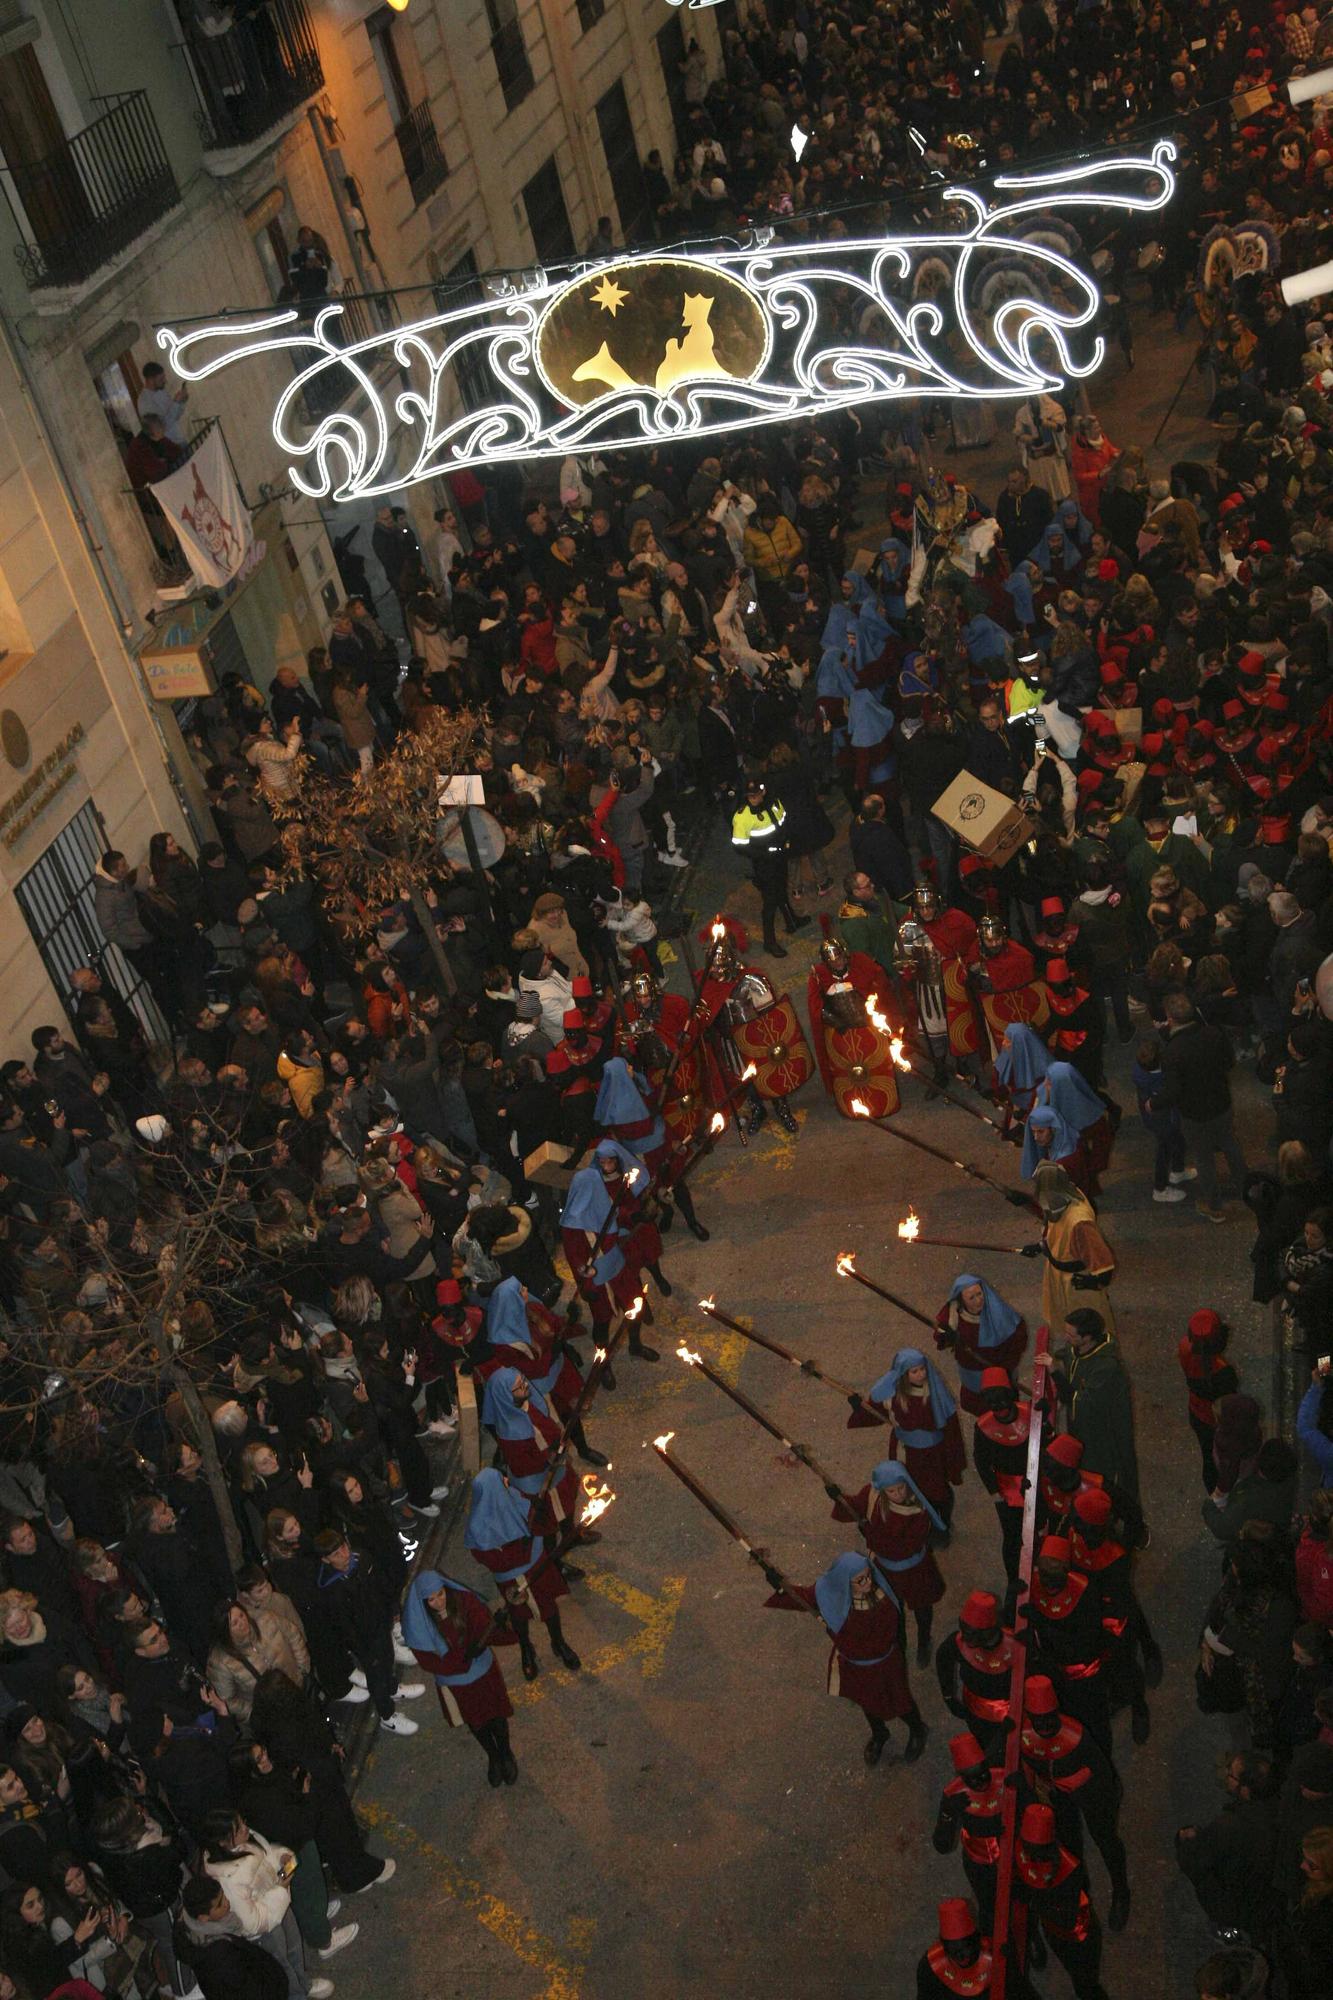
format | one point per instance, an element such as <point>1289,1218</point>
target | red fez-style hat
<point>1163,709</point>
<point>1251,666</point>
<point>966,1752</point>
<point>1204,1323</point>
<point>1055,1548</point>
<point>1108,569</point>
<point>1088,781</point>
<point>1112,674</point>
<point>581,988</point>
<point>448,1292</point>
<point>981,1611</point>
<point>1039,1696</point>
<point>957,1920</point>
<point>1052,906</point>
<point>1232,711</point>
<point>1037,1828</point>
<point>1057,972</point>
<point>1065,1450</point>
<point>1274,828</point>
<point>1151,745</point>
<point>1277,701</point>
<point>1093,1505</point>
<point>995,1378</point>
<point>572,1018</point>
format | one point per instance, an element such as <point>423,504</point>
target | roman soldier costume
<point>853,1052</point>
<point>934,946</point>
<point>1003,977</point>
<point>754,1024</point>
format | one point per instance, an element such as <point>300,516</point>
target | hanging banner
<point>1001,301</point>
<point>204,506</point>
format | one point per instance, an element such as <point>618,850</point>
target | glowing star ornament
<point>658,347</point>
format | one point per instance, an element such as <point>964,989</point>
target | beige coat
<point>399,1212</point>
<point>355,717</point>
<point>558,941</point>
<point>235,1676</point>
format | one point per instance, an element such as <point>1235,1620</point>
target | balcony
<point>511,63</point>
<point>254,77</point>
<point>80,207</point>
<point>423,162</point>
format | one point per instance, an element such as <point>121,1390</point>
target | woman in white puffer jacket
<point>255,1875</point>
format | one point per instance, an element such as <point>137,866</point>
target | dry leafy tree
<point>123,1335</point>
<point>376,842</point>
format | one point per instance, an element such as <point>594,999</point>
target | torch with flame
<point>878,1019</point>
<point>846,1265</point>
<point>688,1356</point>
<point>632,1312</point>
<point>910,1227</point>
<point>660,1444</point>
<point>709,1304</point>
<point>596,1500</point>
<point>749,1073</point>
<point>717,1124</point>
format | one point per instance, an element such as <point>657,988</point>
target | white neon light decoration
<point>807,366</point>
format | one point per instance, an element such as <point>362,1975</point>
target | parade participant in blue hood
<point>857,1601</point>
<point>983,1330</point>
<point>1022,1062</point>
<point>621,1104</point>
<point>449,1629</point>
<point>508,1326</point>
<point>607,1250</point>
<point>499,1534</point>
<point>926,1434</point>
<point>1047,1137</point>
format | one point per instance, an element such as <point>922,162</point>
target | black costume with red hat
<point>1208,1377</point>
<point>1050,1887</point>
<point>1058,1758</point>
<point>1077,1028</point>
<point>974,1666</point>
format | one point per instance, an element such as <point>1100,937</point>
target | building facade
<point>160,159</point>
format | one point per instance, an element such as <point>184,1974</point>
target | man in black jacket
<point>988,749</point>
<point>1229,1862</point>
<point>1022,511</point>
<point>354,1603</point>
<point>879,852</point>
<point>1195,1064</point>
<point>1301,1094</point>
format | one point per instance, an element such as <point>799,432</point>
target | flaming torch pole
<point>847,1267</point>
<point>1014,1195</point>
<point>909,1231</point>
<point>726,1520</point>
<point>806,1367</point>
<point>592,1382</point>
<point>765,1422</point>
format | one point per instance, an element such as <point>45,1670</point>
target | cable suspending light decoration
<point>645,349</point>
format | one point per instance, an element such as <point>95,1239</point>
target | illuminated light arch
<point>794,371</point>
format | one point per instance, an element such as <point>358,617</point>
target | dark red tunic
<point>935,1467</point>
<point>526,1460</point>
<point>955,1331</point>
<point>477,1702</point>
<point>898,1535</point>
<point>543,1587</point>
<point>866,1662</point>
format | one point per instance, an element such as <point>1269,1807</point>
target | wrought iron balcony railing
<point>423,161</point>
<point>85,203</point>
<point>251,78</point>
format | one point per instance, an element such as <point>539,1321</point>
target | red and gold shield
<point>774,1042</point>
<point>862,1068</point>
<point>1025,1003</point>
<point>964,1028</point>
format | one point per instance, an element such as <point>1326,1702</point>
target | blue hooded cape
<point>497,1515</point>
<point>1025,1062</point>
<point>890,1473</point>
<point>507,1316</point>
<point>869,721</point>
<point>1072,1096</point>
<point>1069,559</point>
<point>423,1636</point>
<point>1073,522</point>
<point>1019,587</point>
<point>942,1404</point>
<point>985,640</point>
<point>833,1590</point>
<point>588,1204</point>
<point>998,1320</point>
<point>834,679</point>
<point>507,1418</point>
<point>1064,1139</point>
<point>894,577</point>
<point>620,1101</point>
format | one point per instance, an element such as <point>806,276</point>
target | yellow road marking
<point>656,1617</point>
<point>563,1975</point>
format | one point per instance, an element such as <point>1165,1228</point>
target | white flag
<point>203,504</point>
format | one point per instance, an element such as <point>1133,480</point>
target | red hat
<point>572,1018</point>
<point>1039,1696</point>
<point>1152,743</point>
<point>448,1292</point>
<point>1112,674</point>
<point>1277,701</point>
<point>1052,906</point>
<point>1093,1505</point>
<point>1232,503</point>
<point>1204,1323</point>
<point>1274,828</point>
<point>904,486</point>
<point>1203,727</point>
<point>1163,709</point>
<point>995,1378</point>
<point>981,1611</point>
<point>1261,548</point>
<point>1098,721</point>
<point>1037,1827</point>
<point>1065,1450</point>
<point>1268,750</point>
<point>958,1920</point>
<point>1251,665</point>
<point>1055,1548</point>
<point>1232,711</point>
<point>581,987</point>
<point>965,1751</point>
<point>1088,781</point>
<point>1108,569</point>
<point>1057,971</point>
